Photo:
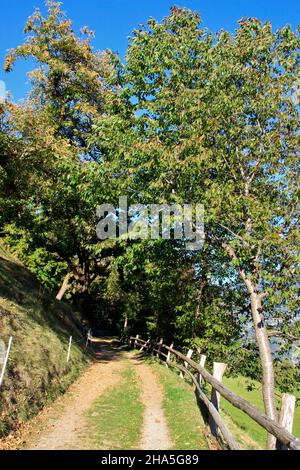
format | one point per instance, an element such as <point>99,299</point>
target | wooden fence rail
<point>283,435</point>
<point>212,410</point>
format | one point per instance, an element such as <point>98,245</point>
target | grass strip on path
<point>115,419</point>
<point>183,416</point>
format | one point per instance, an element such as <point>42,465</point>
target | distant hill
<point>40,326</point>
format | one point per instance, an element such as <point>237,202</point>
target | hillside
<point>37,371</point>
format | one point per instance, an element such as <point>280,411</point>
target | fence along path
<point>197,372</point>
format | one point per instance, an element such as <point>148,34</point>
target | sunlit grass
<point>251,391</point>
<point>115,419</point>
<point>183,417</point>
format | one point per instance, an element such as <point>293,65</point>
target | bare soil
<point>65,430</point>
<point>155,433</point>
<point>61,425</point>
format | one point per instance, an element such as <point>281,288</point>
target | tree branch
<point>283,335</point>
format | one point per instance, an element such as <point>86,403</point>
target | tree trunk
<point>263,342</point>
<point>65,286</point>
<point>268,382</point>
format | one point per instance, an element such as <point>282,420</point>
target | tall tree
<point>73,83</point>
<point>214,122</point>
<point>72,86</point>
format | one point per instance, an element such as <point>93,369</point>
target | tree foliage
<point>192,117</point>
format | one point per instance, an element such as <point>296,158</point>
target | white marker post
<point>69,349</point>
<point>2,352</point>
<point>5,360</point>
<point>88,338</point>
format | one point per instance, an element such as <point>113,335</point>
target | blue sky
<point>113,21</point>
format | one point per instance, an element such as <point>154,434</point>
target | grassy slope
<point>116,417</point>
<point>239,421</point>
<point>182,413</point>
<point>37,371</point>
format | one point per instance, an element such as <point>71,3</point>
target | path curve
<point>61,425</point>
<point>93,382</point>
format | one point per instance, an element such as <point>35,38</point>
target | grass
<point>115,419</point>
<point>252,435</point>
<point>186,429</point>
<point>40,326</point>
<point>184,420</point>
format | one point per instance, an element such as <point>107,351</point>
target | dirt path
<point>155,433</point>
<point>62,425</point>
<point>65,429</point>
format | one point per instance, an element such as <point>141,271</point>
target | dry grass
<point>37,371</point>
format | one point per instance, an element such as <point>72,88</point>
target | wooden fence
<point>282,431</point>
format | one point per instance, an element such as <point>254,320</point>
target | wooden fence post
<point>283,435</point>
<point>189,355</point>
<point>286,417</point>
<point>218,371</point>
<point>159,346</point>
<point>145,345</point>
<point>202,364</point>
<point>169,354</point>
<point>5,360</point>
<point>136,340</point>
<point>69,349</point>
